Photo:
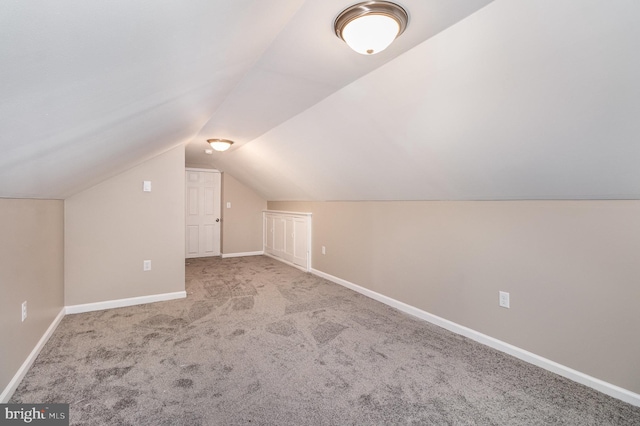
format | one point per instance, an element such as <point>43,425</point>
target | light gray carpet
<point>258,342</point>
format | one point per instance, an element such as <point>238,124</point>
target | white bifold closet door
<point>202,213</point>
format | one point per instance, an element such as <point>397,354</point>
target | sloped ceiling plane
<point>478,99</point>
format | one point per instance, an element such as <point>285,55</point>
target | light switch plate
<point>146,186</point>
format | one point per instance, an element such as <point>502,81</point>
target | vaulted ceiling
<point>476,100</point>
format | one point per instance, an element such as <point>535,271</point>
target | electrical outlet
<point>146,186</point>
<point>324,250</point>
<point>24,310</point>
<point>228,204</point>
<point>504,299</point>
<point>146,265</point>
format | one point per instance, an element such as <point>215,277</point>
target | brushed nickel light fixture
<point>220,144</point>
<point>371,26</point>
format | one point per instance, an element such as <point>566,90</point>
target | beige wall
<point>572,269</point>
<point>112,227</point>
<point>31,270</point>
<point>242,223</point>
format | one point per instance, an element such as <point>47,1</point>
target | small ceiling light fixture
<point>220,144</point>
<point>371,26</point>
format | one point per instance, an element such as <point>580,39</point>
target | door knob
<point>218,220</point>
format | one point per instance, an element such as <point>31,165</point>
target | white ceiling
<point>89,89</point>
<point>521,100</point>
<point>307,62</point>
<point>515,100</point>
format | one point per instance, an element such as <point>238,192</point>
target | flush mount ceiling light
<point>220,144</point>
<point>371,26</point>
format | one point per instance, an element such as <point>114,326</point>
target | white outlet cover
<point>146,186</point>
<point>146,265</point>
<point>504,299</point>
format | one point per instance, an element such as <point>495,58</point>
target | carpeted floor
<point>258,342</point>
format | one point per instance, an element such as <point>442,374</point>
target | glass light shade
<point>370,34</point>
<point>220,144</point>
<point>371,26</point>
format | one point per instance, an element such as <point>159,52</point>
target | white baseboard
<point>249,253</point>
<point>76,309</point>
<point>24,368</point>
<point>584,379</point>
<point>121,303</point>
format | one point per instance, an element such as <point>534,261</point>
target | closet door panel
<point>300,248</point>
<point>287,237</point>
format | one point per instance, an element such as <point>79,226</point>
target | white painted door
<point>301,246</point>
<point>278,236</point>
<point>268,233</point>
<point>202,213</point>
<point>289,239</point>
